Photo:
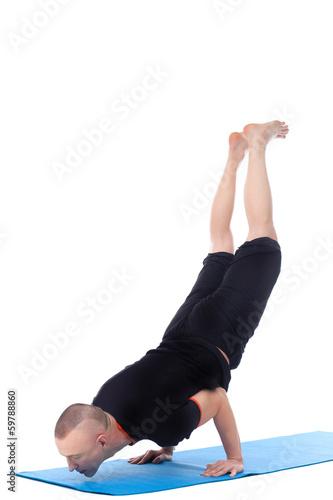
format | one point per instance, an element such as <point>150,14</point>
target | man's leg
<point>257,193</point>
<point>221,239</point>
<point>233,312</point>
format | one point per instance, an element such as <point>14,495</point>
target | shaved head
<point>77,413</point>
<point>86,435</point>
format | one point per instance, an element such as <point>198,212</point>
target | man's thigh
<point>230,314</point>
<point>209,279</point>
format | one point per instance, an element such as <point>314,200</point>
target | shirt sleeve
<point>179,425</point>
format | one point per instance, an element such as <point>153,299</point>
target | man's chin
<point>90,474</point>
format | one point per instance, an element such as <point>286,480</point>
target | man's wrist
<point>239,459</point>
<point>168,449</point>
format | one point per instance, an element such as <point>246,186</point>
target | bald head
<point>86,436</point>
<point>75,415</point>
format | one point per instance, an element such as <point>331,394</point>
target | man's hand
<point>154,456</point>
<point>222,467</point>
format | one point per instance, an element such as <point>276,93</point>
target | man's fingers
<point>147,456</point>
<point>223,467</point>
<point>210,468</point>
<point>142,458</point>
<point>223,471</point>
<point>135,460</point>
<point>218,471</point>
<point>164,457</point>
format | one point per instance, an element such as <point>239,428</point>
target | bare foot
<point>259,135</point>
<point>237,146</point>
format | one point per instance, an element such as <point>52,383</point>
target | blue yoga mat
<point>118,477</point>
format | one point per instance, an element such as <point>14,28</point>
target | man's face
<point>83,447</point>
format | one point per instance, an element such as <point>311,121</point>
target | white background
<point>122,208</point>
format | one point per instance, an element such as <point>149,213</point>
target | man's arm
<point>225,424</point>
<point>215,404</point>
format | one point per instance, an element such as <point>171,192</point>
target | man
<point>183,383</point>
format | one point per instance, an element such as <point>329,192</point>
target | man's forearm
<point>225,424</point>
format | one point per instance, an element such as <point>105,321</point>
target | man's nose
<point>71,465</point>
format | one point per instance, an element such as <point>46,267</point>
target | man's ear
<point>102,440</point>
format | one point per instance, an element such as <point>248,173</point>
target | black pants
<point>229,296</point>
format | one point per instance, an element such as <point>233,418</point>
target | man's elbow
<point>222,401</point>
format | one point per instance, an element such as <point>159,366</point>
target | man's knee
<point>261,232</point>
<point>224,243</point>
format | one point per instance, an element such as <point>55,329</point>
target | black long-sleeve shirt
<point>152,398</point>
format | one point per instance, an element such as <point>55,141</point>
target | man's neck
<point>118,440</point>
